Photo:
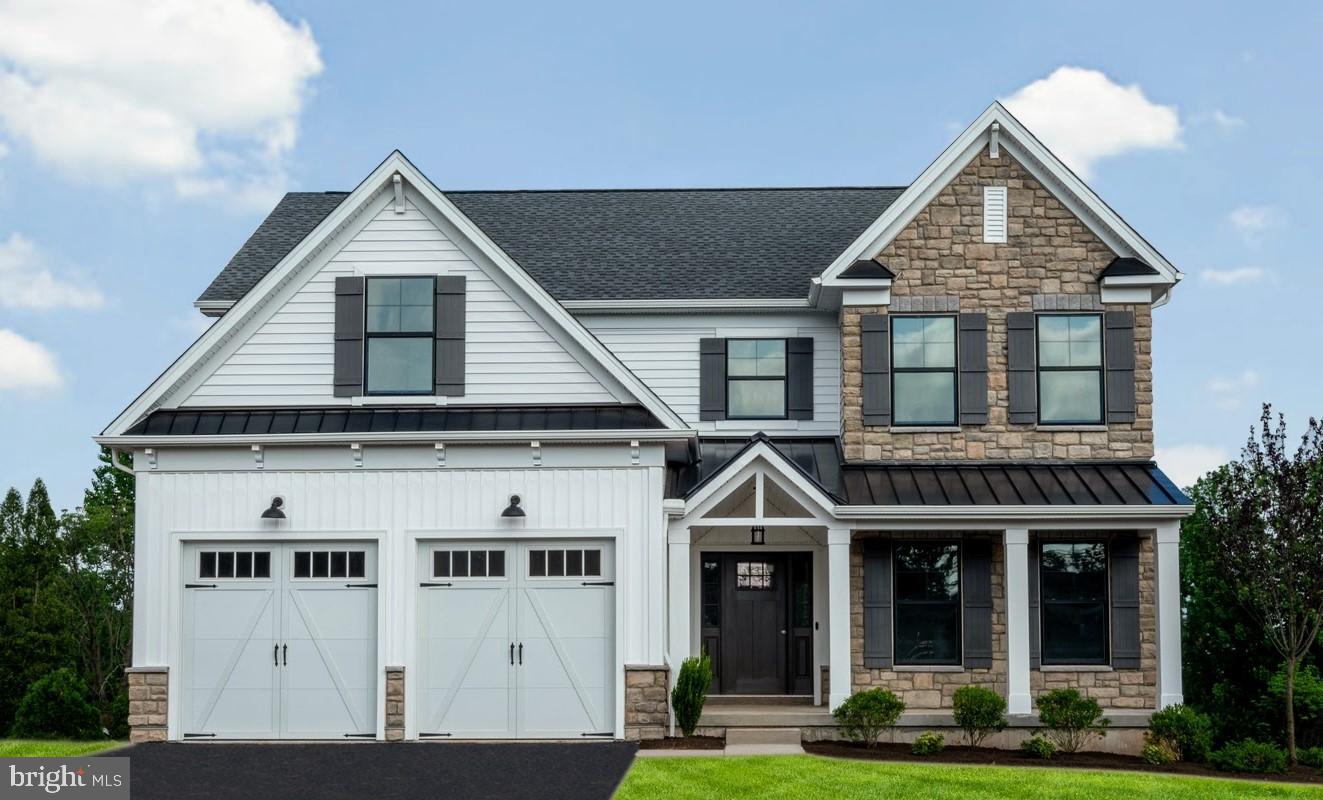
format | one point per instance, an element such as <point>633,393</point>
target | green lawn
<point>797,777</point>
<point>52,748</point>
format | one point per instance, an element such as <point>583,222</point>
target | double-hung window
<point>1070,373</point>
<point>923,356</point>
<point>400,335</point>
<point>927,603</point>
<point>756,379</point>
<point>1073,589</point>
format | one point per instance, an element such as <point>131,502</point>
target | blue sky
<point>133,166</point>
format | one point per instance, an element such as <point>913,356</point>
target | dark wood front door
<point>757,625</point>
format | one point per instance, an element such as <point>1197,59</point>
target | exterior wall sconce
<point>274,511</point>
<point>757,535</point>
<point>513,510</point>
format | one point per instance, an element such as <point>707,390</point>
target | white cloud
<point>1230,391</point>
<point>194,325</point>
<point>24,364</point>
<point>29,283</point>
<point>1083,117</point>
<point>1224,120</point>
<point>1187,463</point>
<point>1252,222</point>
<point>196,92</point>
<point>1232,277</point>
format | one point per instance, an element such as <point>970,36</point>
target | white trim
<point>1099,513</point>
<point>758,457</point>
<point>839,660</point>
<point>880,296</point>
<point>682,305</point>
<point>1167,555</point>
<point>1128,295</point>
<point>1022,145</point>
<point>1016,545</point>
<point>244,309</point>
<point>467,437</point>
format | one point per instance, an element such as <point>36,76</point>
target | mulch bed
<point>1013,758</point>
<point>684,743</point>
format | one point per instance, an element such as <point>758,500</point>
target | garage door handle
<point>512,654</point>
<point>275,654</point>
<point>521,654</point>
<point>285,654</point>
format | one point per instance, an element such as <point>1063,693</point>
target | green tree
<point>1268,516</point>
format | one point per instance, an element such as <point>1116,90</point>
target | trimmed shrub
<point>865,715</point>
<point>690,692</point>
<point>1037,747</point>
<point>1248,755</point>
<point>1070,719</point>
<point>980,712</point>
<point>928,743</point>
<point>1159,755</point>
<point>1182,730</point>
<point>1310,757</point>
<point>55,707</point>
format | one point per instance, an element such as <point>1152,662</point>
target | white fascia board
<point>419,437</point>
<point>686,305</point>
<point>1102,513</point>
<point>778,463</point>
<point>242,311</point>
<point>1026,149</point>
<point>1130,295</point>
<point>866,297</point>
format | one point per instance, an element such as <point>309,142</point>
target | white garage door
<point>280,641</point>
<point>517,640</point>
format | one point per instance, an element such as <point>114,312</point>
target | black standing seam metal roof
<point>262,422</point>
<point>1120,267</point>
<point>636,244</point>
<point>917,483</point>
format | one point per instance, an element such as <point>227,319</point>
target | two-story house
<point>492,464</point>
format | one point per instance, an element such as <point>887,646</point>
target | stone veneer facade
<point>394,704</point>
<point>149,695</point>
<point>1050,262</point>
<point>926,688</point>
<point>647,709</point>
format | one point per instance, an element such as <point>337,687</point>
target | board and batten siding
<point>510,357</point>
<point>398,506</point>
<point>662,350</point>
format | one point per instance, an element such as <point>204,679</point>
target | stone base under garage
<point>647,702</point>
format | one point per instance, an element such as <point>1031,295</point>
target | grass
<point>800,777</point>
<point>53,748</point>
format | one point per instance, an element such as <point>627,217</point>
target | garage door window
<point>330,564</point>
<point>234,564</point>
<point>468,564</point>
<point>574,563</point>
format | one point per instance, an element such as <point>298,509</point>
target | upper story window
<point>927,599</point>
<point>923,356</point>
<point>400,335</point>
<point>1073,581</point>
<point>1070,373</point>
<point>755,379</point>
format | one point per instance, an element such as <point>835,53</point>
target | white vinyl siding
<point>662,350</point>
<point>994,214</point>
<point>510,357</point>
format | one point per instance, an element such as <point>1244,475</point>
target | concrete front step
<point>762,736</point>
<point>737,716</point>
<point>759,700</point>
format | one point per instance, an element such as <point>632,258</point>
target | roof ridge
<point>857,188</point>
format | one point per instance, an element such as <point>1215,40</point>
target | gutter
<point>421,437</point>
<point>1037,512</point>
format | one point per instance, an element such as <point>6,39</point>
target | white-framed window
<point>469,563</point>
<point>234,564</point>
<point>756,379</point>
<point>923,367</point>
<point>557,562</point>
<point>399,335</point>
<point>330,563</point>
<point>1070,369</point>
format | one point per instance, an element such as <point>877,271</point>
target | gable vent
<point>994,214</point>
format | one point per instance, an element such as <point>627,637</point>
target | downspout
<point>114,462</point>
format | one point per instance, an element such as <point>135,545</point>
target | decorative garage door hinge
<point>199,586</point>
<point>426,585</point>
<point>199,735</point>
<point>360,586</point>
<point>432,735</point>
<point>598,583</point>
<point>607,734</point>
<point>360,735</point>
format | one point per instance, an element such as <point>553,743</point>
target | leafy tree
<point>1268,515</point>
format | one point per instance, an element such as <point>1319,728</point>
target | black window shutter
<point>1125,601</point>
<point>875,356</point>
<point>711,379</point>
<point>1119,347</point>
<point>973,369</point>
<point>1035,625</point>
<point>877,604</point>
<point>450,311</point>
<point>976,575</point>
<point>348,369</point>
<point>1022,362</point>
<point>799,378</point>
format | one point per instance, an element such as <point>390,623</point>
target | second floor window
<point>399,335</point>
<point>923,355</point>
<point>1070,370</point>
<point>755,379</point>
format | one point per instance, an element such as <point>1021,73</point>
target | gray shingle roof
<point>624,244</point>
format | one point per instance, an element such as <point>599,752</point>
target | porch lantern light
<point>274,511</point>
<point>513,510</point>
<point>757,535</point>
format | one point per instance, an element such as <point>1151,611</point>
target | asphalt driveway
<point>363,770</point>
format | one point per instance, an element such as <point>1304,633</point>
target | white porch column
<point>677,596</point>
<point>838,615</point>
<point>1166,549</point>
<point>1018,700</point>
